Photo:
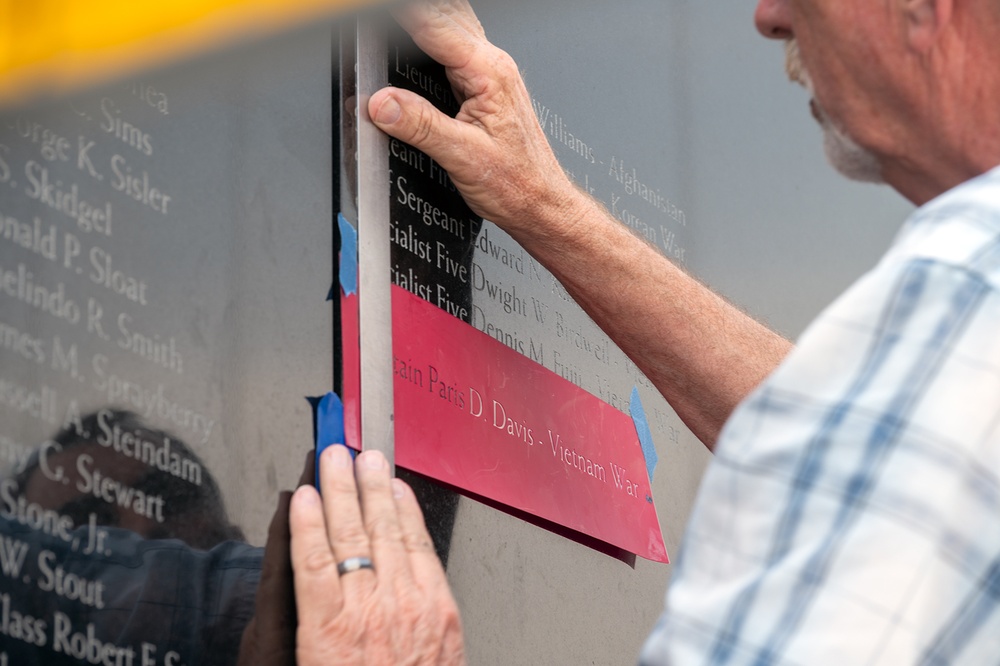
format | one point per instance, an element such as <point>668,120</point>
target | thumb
<point>407,116</point>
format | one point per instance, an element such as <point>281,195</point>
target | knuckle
<point>505,65</point>
<point>415,542</point>
<point>382,528</point>
<point>378,622</point>
<point>316,561</point>
<point>373,480</point>
<point>383,625</point>
<point>433,632</point>
<point>412,603</point>
<point>423,127</point>
<point>450,617</point>
<point>346,632</point>
<point>351,535</point>
<point>342,484</point>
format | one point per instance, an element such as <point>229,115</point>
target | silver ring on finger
<point>352,564</point>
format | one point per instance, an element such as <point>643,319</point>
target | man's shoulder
<point>819,517</point>
<point>960,228</point>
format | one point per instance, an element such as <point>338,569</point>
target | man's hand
<point>401,610</point>
<point>494,149</point>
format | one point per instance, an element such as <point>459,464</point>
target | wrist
<point>552,215</point>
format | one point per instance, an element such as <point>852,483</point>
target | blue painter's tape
<point>328,424</point>
<point>348,256</point>
<point>645,435</point>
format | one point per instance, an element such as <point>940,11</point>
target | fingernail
<point>398,488</point>
<point>338,456</point>
<point>306,495</point>
<point>389,112</point>
<point>373,459</point>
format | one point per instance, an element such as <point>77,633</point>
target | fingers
<point>423,561</point>
<point>368,528</point>
<point>410,118</point>
<point>495,150</point>
<point>318,594</point>
<point>447,31</point>
<point>400,612</point>
<point>462,13</point>
<point>381,521</point>
<point>345,525</point>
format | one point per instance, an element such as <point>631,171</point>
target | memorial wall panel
<point>165,255</point>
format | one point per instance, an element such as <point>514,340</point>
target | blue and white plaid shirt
<point>852,513</point>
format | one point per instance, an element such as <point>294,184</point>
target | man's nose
<point>773,19</point>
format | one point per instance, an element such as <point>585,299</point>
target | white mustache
<point>793,65</point>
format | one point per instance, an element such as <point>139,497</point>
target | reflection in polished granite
<point>117,547</point>
<point>162,315</point>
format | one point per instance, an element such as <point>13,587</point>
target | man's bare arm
<point>701,353</point>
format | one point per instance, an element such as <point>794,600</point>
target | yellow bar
<point>53,46</point>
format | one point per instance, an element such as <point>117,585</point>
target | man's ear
<point>925,20</point>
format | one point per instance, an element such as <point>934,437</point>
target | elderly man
<point>851,513</point>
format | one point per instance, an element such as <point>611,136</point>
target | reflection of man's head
<point>130,476</point>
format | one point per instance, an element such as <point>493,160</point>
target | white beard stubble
<point>843,153</point>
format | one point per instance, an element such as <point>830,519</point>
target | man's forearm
<point>703,354</point>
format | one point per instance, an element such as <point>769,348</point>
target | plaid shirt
<point>852,513</point>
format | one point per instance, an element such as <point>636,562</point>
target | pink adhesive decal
<point>350,335</point>
<point>474,414</point>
